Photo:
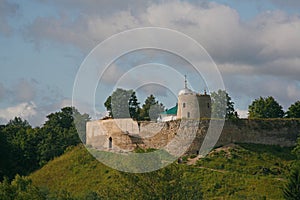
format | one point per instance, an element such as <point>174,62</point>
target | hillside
<point>241,171</point>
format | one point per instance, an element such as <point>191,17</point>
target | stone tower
<point>192,105</point>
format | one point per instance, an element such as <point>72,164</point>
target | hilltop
<point>240,171</point>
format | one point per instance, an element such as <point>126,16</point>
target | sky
<point>255,45</point>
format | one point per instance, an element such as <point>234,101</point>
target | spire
<point>185,82</point>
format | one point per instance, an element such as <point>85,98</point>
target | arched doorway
<point>110,143</point>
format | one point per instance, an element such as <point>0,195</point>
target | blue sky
<point>255,45</point>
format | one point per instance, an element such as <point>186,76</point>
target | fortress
<point>189,121</point>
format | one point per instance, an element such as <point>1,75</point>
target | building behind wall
<point>191,105</point>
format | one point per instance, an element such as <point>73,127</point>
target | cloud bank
<point>257,57</point>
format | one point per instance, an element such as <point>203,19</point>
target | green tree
<point>265,108</point>
<point>122,104</point>
<point>20,188</point>
<point>222,106</point>
<point>58,133</point>
<point>107,105</point>
<point>134,108</point>
<point>80,121</point>
<point>151,109</point>
<point>20,151</point>
<point>4,152</point>
<point>294,110</point>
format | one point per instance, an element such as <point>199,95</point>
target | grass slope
<point>243,171</point>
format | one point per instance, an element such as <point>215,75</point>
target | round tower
<point>188,106</point>
<point>192,105</point>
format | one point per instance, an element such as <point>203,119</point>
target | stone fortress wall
<point>126,134</point>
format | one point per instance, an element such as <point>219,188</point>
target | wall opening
<point>188,115</point>
<point>207,105</point>
<point>110,143</point>
<point>183,105</point>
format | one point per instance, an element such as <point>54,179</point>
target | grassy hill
<point>243,171</point>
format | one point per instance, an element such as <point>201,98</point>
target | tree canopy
<point>265,108</point>
<point>222,106</point>
<point>151,109</point>
<point>122,104</point>
<point>294,110</point>
<point>24,149</point>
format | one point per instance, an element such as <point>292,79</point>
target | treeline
<point>268,107</point>
<point>25,149</point>
<point>260,108</point>
<point>124,104</point>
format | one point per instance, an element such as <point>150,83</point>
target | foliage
<point>292,188</point>
<point>80,121</point>
<point>25,149</point>
<point>166,183</point>
<point>107,105</point>
<point>265,108</point>
<point>122,104</point>
<point>20,188</point>
<point>294,110</point>
<point>58,133</point>
<point>151,109</point>
<point>222,106</point>
<point>19,148</point>
<point>241,176</point>
<point>134,109</point>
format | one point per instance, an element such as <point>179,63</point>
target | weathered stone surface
<point>186,136</point>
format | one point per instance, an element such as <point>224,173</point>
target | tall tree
<point>4,152</point>
<point>222,106</point>
<point>151,109</point>
<point>21,156</point>
<point>80,121</point>
<point>58,133</point>
<point>107,105</point>
<point>265,108</point>
<point>134,108</point>
<point>122,104</point>
<point>294,110</point>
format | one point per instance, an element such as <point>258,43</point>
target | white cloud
<point>24,110</point>
<point>257,57</point>
<point>85,32</point>
<point>242,113</point>
<point>293,92</point>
